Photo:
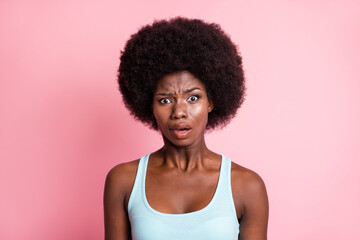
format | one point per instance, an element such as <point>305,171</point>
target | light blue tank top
<point>216,221</point>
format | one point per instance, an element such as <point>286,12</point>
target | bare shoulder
<point>123,170</point>
<point>245,179</point>
<point>118,186</point>
<point>120,178</point>
<point>248,189</point>
<point>251,202</point>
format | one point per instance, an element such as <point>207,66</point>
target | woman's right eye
<point>164,101</point>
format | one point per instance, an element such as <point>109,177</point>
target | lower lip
<point>181,133</point>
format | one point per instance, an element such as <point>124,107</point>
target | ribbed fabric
<point>216,221</point>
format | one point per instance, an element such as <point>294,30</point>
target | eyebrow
<point>186,91</point>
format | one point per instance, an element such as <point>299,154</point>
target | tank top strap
<point>224,192</point>
<point>221,187</point>
<point>226,173</point>
<point>136,192</point>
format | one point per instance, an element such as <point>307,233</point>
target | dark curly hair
<point>181,44</point>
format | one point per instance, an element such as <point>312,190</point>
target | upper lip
<point>180,126</point>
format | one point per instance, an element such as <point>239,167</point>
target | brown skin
<point>183,174</point>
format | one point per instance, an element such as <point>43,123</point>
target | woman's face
<point>181,108</point>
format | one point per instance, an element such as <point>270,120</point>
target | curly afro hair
<point>181,44</point>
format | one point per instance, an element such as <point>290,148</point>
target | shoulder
<point>248,188</point>
<point>118,186</point>
<point>120,179</point>
<point>123,170</point>
<point>246,179</point>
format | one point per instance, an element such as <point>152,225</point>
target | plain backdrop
<point>63,124</point>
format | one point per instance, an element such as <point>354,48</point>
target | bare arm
<point>253,223</point>
<point>253,202</point>
<point>118,186</point>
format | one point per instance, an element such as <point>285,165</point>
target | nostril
<point>178,112</point>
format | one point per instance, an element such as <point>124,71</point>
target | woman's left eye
<point>193,98</point>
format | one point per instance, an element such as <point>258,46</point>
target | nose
<point>179,111</point>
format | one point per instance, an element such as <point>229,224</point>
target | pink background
<point>63,125</point>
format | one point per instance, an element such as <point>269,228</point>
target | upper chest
<point>177,193</point>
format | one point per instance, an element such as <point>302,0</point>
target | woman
<point>182,77</point>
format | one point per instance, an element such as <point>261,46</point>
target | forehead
<point>179,81</point>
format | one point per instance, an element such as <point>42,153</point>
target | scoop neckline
<point>180,214</point>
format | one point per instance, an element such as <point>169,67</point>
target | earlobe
<point>210,106</point>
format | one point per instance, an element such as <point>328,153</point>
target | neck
<point>185,158</point>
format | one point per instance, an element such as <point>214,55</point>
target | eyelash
<point>197,98</point>
<point>161,101</point>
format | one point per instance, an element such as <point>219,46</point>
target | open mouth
<point>181,129</point>
<point>180,132</point>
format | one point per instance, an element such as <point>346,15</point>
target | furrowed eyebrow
<point>172,94</point>
<point>165,94</point>
<point>191,89</point>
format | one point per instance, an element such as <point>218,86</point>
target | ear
<point>210,105</point>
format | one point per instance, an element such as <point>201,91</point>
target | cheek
<point>200,113</point>
<point>160,116</point>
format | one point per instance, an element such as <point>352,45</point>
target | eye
<point>193,98</point>
<point>165,101</point>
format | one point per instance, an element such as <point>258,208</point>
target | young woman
<point>182,77</point>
